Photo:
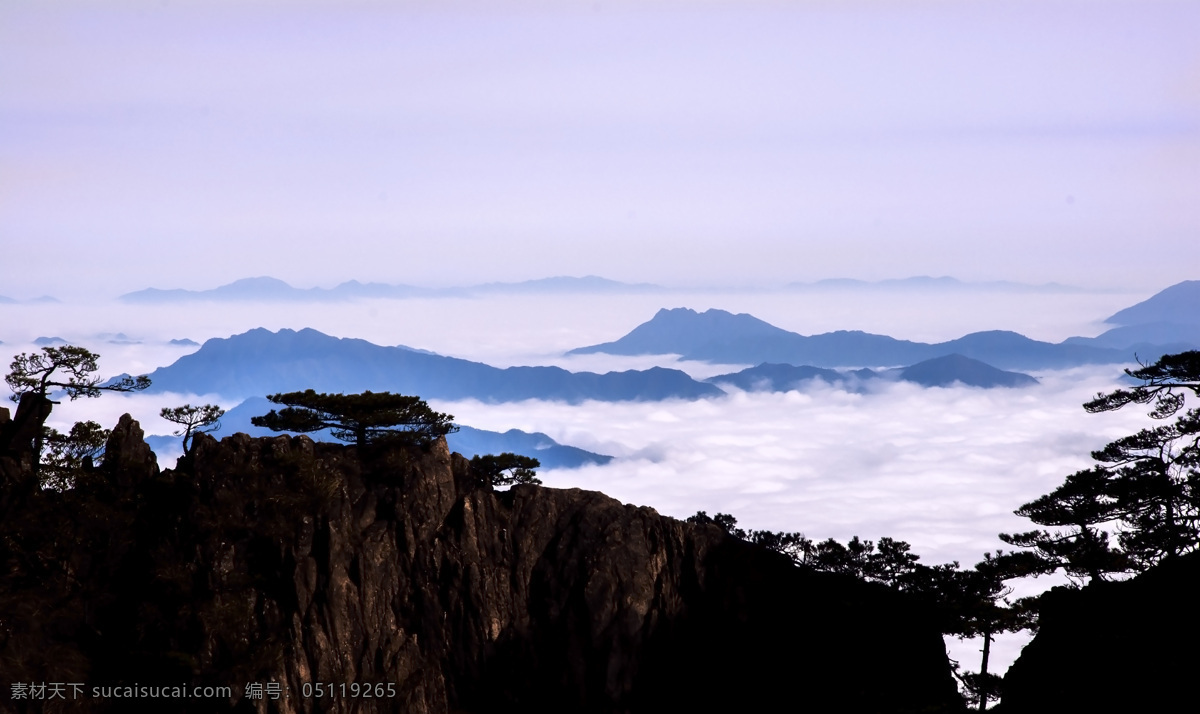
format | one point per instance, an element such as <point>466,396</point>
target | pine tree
<point>505,469</point>
<point>367,418</point>
<point>70,368</point>
<point>193,420</point>
<point>1145,487</point>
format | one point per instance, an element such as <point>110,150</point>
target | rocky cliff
<point>1114,646</point>
<point>280,560</point>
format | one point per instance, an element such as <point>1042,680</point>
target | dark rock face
<point>279,559</point>
<point>1114,647</point>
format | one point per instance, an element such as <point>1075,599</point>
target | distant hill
<point>714,333</point>
<point>43,300</point>
<point>470,442</point>
<point>937,372</point>
<point>467,441</point>
<point>267,289</point>
<point>1172,337</point>
<point>262,362</point>
<point>768,377</point>
<point>1178,304</point>
<point>951,369</point>
<point>586,284</point>
<point>720,336</point>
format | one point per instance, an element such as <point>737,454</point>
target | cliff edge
<point>1114,646</point>
<point>280,560</point>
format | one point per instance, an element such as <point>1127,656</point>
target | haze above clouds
<point>190,144</point>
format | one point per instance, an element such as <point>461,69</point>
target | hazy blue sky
<point>192,143</point>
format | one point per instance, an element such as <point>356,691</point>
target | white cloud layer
<point>940,468</point>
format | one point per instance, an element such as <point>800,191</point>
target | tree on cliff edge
<point>69,368</point>
<point>367,418</point>
<point>67,454</point>
<point>507,469</point>
<point>1145,487</point>
<point>193,420</point>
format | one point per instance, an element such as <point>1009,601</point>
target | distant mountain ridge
<point>1176,305</point>
<point>937,372</point>
<point>275,290</point>
<point>43,300</point>
<point>722,337</point>
<point>266,288</point>
<point>272,289</point>
<point>1173,337</point>
<point>261,362</point>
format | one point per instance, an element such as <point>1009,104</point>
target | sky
<point>188,144</point>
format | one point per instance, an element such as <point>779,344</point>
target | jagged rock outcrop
<point>1114,646</point>
<point>284,560</point>
<point>16,444</point>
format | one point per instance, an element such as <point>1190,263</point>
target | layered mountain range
<point>267,289</point>
<point>259,362</point>
<point>1167,322</point>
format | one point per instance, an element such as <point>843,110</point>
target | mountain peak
<point>1179,304</point>
<point>949,369</point>
<point>681,330</point>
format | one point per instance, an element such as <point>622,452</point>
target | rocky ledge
<point>280,560</point>
<point>1126,646</point>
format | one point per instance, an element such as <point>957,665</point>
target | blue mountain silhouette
<point>720,336</point>
<point>937,372</point>
<point>955,368</point>
<point>263,362</point>
<point>268,289</point>
<point>1178,304</point>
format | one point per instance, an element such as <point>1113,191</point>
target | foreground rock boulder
<point>1126,646</point>
<point>287,563</point>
